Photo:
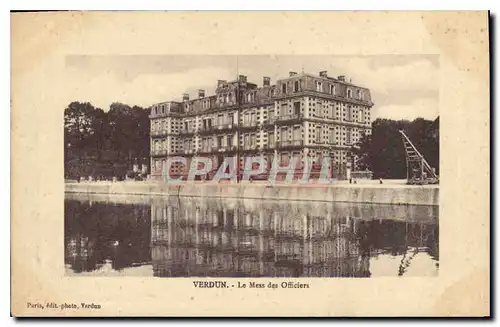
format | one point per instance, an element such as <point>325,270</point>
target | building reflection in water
<point>250,238</point>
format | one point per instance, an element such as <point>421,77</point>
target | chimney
<point>323,73</point>
<point>201,93</point>
<point>341,78</point>
<point>242,78</point>
<point>293,74</point>
<point>221,82</point>
<point>185,97</point>
<point>267,81</point>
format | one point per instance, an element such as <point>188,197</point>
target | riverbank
<point>363,192</point>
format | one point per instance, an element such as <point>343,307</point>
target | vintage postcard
<point>250,164</point>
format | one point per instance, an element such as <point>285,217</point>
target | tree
<point>103,143</point>
<point>129,131</point>
<point>383,152</point>
<point>83,125</point>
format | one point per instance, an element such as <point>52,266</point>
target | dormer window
<point>319,87</point>
<point>283,88</point>
<point>332,89</point>
<point>296,86</point>
<point>349,93</point>
<point>360,94</point>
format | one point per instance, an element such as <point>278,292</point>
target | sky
<point>402,86</point>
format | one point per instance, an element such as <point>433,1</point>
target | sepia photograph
<point>226,152</point>
<point>246,164</point>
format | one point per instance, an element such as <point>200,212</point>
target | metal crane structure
<point>418,171</point>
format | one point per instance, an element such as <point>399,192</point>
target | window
<point>332,89</point>
<point>284,134</point>
<point>319,87</point>
<point>270,138</point>
<point>318,134</point>
<point>284,159</point>
<point>296,133</point>
<point>331,136</point>
<point>283,110</point>
<point>296,108</point>
<point>296,86</point>
<point>348,138</point>
<point>283,88</point>
<point>349,93</point>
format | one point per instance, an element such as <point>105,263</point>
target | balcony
<point>353,122</point>
<point>158,153</point>
<point>208,149</point>
<point>178,152</point>
<point>206,129</point>
<point>249,147</point>
<point>289,144</point>
<point>216,149</point>
<point>225,149</point>
<point>325,143</point>
<point>269,146</point>
<point>205,149</point>
<point>186,132</point>
<point>269,122</point>
<point>216,128</point>
<point>289,119</point>
<point>222,127</point>
<point>248,125</point>
<point>159,132</point>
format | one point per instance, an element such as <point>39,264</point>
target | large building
<point>301,115</point>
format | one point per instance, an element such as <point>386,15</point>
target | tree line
<point>107,144</point>
<point>104,144</point>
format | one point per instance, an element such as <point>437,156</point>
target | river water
<point>186,237</point>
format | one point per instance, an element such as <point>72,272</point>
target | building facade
<point>300,116</point>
